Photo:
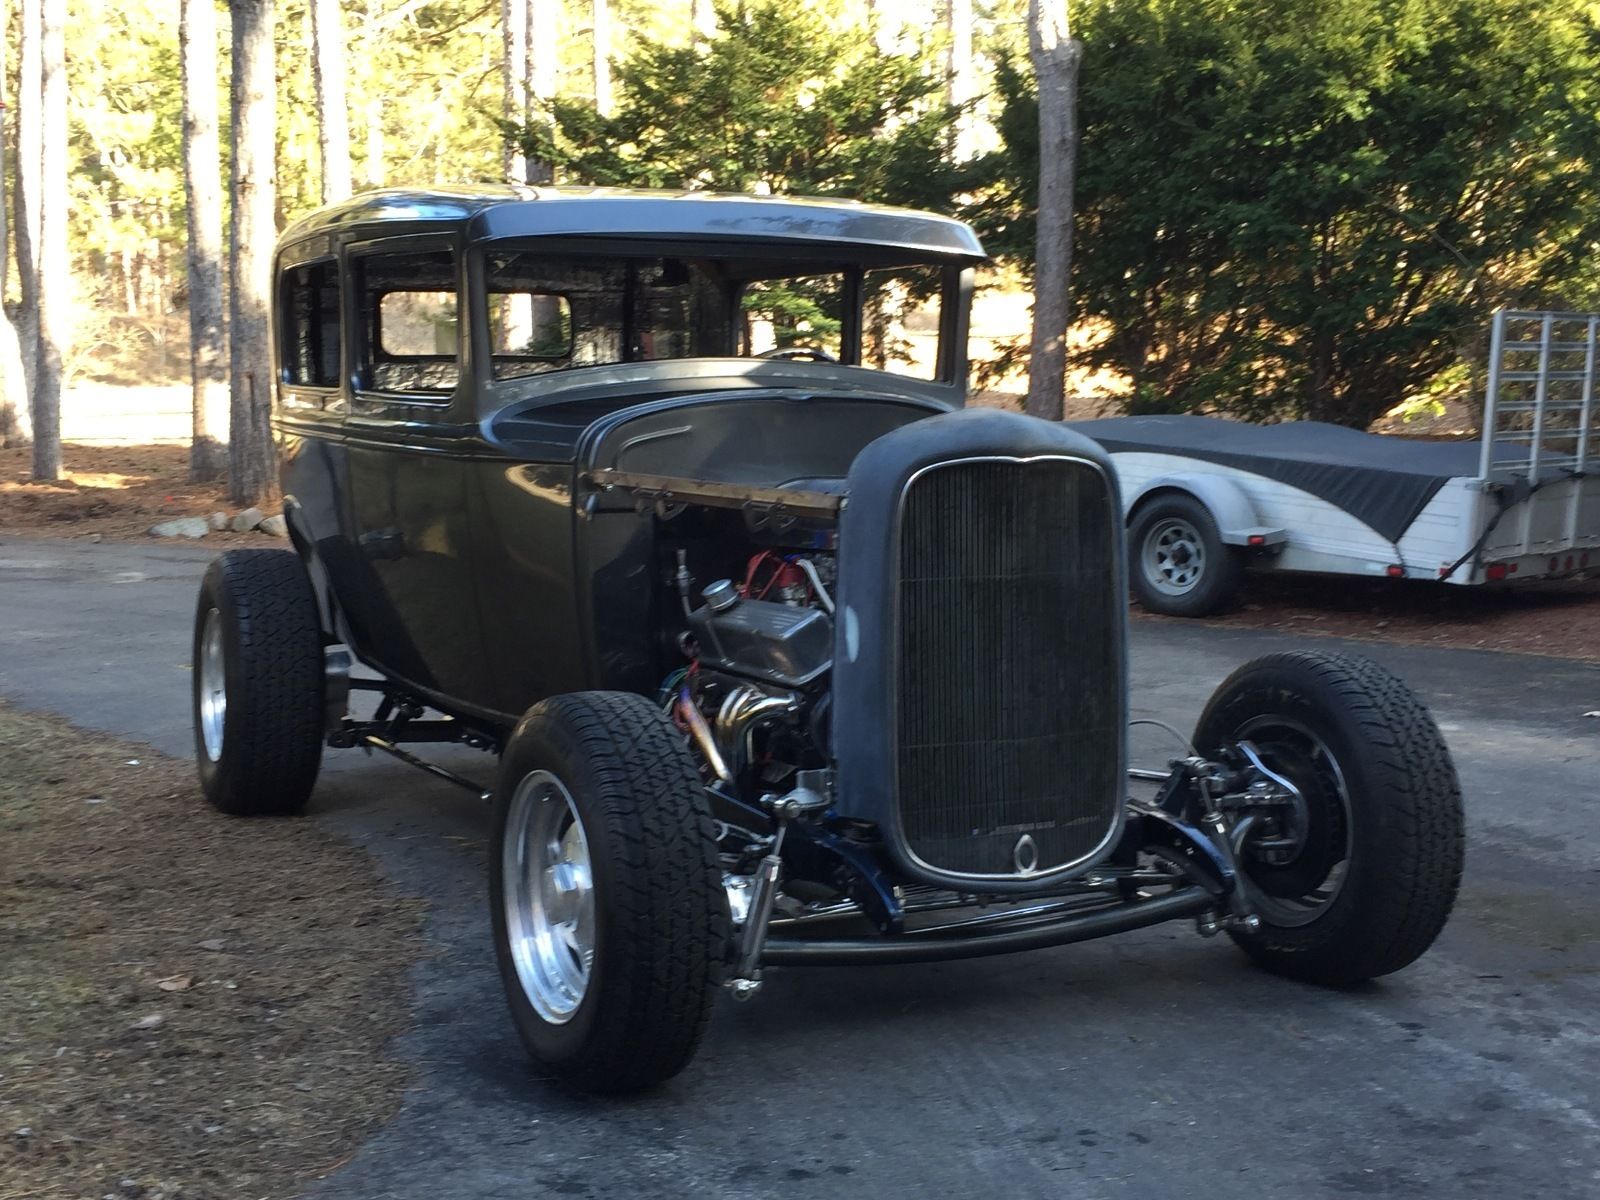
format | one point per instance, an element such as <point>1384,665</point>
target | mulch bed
<point>194,1006</point>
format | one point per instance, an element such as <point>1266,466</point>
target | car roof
<point>491,211</point>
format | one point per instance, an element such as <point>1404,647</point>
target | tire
<point>1382,815</point>
<point>1177,561</point>
<point>657,935</point>
<point>260,745</point>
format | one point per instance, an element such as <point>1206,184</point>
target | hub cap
<point>549,897</point>
<point>213,685</point>
<point>1174,556</point>
<point>1296,866</point>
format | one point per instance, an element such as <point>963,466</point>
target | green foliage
<point>781,99</point>
<point>1310,207</point>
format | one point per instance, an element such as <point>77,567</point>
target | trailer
<point>1207,499</point>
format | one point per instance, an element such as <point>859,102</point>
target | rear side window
<point>410,323</point>
<point>308,313</point>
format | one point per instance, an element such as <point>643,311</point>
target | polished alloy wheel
<point>213,685</point>
<point>1174,556</point>
<point>1296,867</point>
<point>549,896</point>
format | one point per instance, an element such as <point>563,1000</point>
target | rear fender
<point>1237,520</point>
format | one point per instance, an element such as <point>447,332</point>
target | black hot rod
<point>671,503</point>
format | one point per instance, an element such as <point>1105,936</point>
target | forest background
<point>1282,208</point>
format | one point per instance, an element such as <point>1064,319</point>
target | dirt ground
<point>114,492</point>
<point>194,1006</point>
<point>1561,619</point>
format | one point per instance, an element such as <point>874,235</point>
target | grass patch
<point>190,1005</point>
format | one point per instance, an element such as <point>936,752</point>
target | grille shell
<point>1010,671</point>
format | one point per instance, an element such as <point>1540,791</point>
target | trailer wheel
<point>1178,563</point>
<point>1357,878</point>
<point>610,919</point>
<point>257,683</point>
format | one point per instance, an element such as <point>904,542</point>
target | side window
<point>900,320</point>
<point>411,320</point>
<point>308,316</point>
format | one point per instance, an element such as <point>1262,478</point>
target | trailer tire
<point>1379,859</point>
<point>1177,561</point>
<point>611,922</point>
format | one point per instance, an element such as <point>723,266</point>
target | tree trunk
<point>252,460</point>
<point>202,189</point>
<point>703,20</point>
<point>958,76</point>
<point>1055,58</point>
<point>603,98</point>
<point>16,427</point>
<point>29,161</point>
<point>544,70</point>
<point>514,100</point>
<point>333,114</point>
<point>54,283</point>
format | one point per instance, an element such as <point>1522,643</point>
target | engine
<point>754,695</point>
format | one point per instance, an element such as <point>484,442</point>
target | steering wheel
<point>799,353</point>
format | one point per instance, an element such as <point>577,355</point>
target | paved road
<point>1156,1064</point>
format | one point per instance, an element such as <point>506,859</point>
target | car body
<point>672,503</point>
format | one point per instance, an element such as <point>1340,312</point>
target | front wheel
<point>1356,878</point>
<point>610,918</point>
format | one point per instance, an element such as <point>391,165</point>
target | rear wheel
<point>257,683</point>
<point>1358,876</point>
<point>1179,565</point>
<point>610,918</point>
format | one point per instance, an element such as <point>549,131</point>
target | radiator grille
<point>1010,704</point>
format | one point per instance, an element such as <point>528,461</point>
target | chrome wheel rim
<point>213,685</point>
<point>548,897</point>
<point>1289,746</point>
<point>1174,556</point>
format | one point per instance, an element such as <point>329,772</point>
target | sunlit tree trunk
<point>15,423</point>
<point>1055,57</point>
<point>202,189</point>
<point>54,284</point>
<point>333,114</point>
<point>703,20</point>
<point>544,70</point>
<point>958,75</point>
<point>252,461</point>
<point>29,161</point>
<point>603,99</point>
<point>514,101</point>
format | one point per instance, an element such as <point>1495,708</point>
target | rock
<point>131,1187</point>
<point>214,945</point>
<point>219,521</point>
<point>187,527</point>
<point>275,525</point>
<point>153,1021</point>
<point>247,520</point>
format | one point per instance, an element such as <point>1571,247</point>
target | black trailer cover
<point>1380,480</point>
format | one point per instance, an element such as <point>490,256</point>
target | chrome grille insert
<point>1010,699</point>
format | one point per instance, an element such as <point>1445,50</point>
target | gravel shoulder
<point>194,1006</point>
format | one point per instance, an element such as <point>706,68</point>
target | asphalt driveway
<point>1156,1064</point>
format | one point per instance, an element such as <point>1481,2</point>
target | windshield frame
<point>788,259</point>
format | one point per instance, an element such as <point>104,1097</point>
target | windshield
<point>551,312</point>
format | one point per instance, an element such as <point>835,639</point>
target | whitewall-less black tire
<point>257,683</point>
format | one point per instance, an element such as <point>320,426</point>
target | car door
<point>411,605</point>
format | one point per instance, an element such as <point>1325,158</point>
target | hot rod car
<point>671,503</point>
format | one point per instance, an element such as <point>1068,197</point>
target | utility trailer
<point>1207,499</point>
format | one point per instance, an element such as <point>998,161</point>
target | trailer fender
<point>1236,517</point>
